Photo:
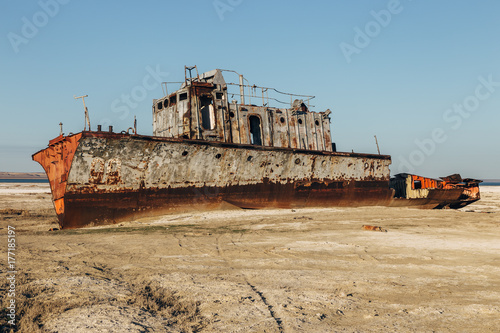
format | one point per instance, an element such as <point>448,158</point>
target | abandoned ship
<point>206,151</point>
<point>448,192</point>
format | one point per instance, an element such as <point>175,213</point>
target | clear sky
<point>422,75</point>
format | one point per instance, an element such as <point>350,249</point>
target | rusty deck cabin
<point>201,110</point>
<point>207,149</point>
<point>447,192</point>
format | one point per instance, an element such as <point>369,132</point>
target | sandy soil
<point>304,270</point>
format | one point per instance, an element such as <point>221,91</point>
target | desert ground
<point>302,270</point>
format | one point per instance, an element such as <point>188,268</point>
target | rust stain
<point>373,228</point>
<point>96,171</point>
<point>56,161</point>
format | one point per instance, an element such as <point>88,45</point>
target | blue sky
<point>422,75</point>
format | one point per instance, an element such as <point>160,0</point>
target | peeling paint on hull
<point>118,177</point>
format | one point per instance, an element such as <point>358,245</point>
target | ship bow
<point>56,160</point>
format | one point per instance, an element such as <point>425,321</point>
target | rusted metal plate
<point>452,179</point>
<point>56,160</point>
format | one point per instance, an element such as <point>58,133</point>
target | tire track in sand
<point>259,293</point>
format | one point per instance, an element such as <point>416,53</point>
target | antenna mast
<point>376,141</point>
<point>87,119</point>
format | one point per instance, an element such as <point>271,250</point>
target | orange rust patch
<point>373,228</point>
<point>56,161</point>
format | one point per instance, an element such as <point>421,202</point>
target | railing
<point>264,92</point>
<point>265,95</point>
<point>252,92</point>
<point>164,87</point>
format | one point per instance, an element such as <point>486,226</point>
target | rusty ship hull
<point>104,178</point>
<point>422,192</point>
<point>434,199</point>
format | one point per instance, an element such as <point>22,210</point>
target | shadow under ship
<point>207,151</point>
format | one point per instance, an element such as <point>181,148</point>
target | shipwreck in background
<point>448,192</point>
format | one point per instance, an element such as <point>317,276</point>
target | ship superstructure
<point>202,109</point>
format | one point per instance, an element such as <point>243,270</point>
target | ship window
<point>172,100</point>
<point>282,119</point>
<point>207,113</point>
<point>417,184</point>
<point>159,105</point>
<point>300,121</point>
<point>317,122</point>
<point>183,97</point>
<point>218,95</point>
<point>255,130</point>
